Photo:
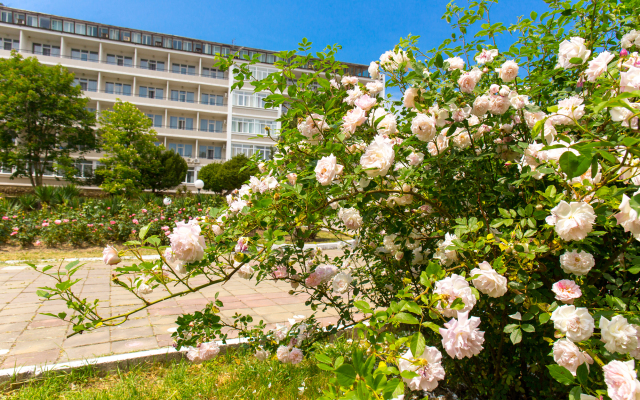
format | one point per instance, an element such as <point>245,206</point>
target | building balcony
<point>102,95</point>
<point>167,131</point>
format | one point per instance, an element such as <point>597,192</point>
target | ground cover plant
<point>495,210</point>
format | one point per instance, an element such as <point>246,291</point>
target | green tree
<point>43,119</point>
<point>227,176</point>
<point>162,169</point>
<point>128,142</point>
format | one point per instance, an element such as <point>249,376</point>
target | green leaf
<point>417,344</point>
<point>528,328</point>
<point>323,358</point>
<point>576,60</point>
<point>575,393</point>
<point>573,165</point>
<point>362,305</point>
<point>510,328</point>
<point>544,317</point>
<point>431,326</point>
<point>439,62</point>
<point>346,375</point>
<point>561,374</point>
<point>583,374</point>
<point>71,265</point>
<point>405,318</point>
<point>144,230</point>
<point>325,367</point>
<point>516,336</point>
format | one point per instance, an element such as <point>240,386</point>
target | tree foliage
<point>162,169</point>
<point>44,119</point>
<point>227,176</point>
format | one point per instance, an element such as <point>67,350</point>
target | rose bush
<point>493,209</point>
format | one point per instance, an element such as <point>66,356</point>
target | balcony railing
<point>88,59</point>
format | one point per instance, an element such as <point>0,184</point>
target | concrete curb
<point>107,363</point>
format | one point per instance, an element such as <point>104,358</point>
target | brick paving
<point>29,338</point>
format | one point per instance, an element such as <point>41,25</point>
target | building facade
<point>172,79</point>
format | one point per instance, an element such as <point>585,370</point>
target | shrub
<point>495,211</point>
<point>228,176</point>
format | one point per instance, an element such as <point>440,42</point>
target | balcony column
<point>199,95</point>
<point>135,57</point>
<point>196,151</point>
<point>133,89</point>
<point>62,47</point>
<point>169,62</point>
<point>22,43</point>
<point>166,123</point>
<point>168,92</point>
<point>100,80</point>
<point>200,67</point>
<point>197,127</point>
<point>100,53</point>
<point>229,117</point>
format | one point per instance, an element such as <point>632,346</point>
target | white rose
<point>628,217</point>
<point>598,66</point>
<point>486,56</point>
<point>621,380</point>
<point>574,322</point>
<point>568,355</point>
<point>489,282</point>
<point>110,255</point>
<point>481,105</point>
<point>455,63</point>
<point>327,169</point>
<point>630,79</point>
<point>350,217</point>
<point>353,95</point>
<point>341,282</point>
<point>354,118</point>
<point>451,288</point>
<point>573,48</point>
<point>409,97</point>
<point>629,38</point>
<point>378,157</point>
<point>439,145</point>
<point>375,87</point>
<point>498,105</point>
<point>415,158</point>
<point>424,127</point>
<point>572,221</point>
<point>387,126</point>
<point>374,71</point>
<point>618,335</point>
<point>469,80</point>
<point>508,71</point>
<point>186,242</point>
<point>446,257</point>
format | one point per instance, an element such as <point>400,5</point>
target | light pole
<point>199,184</point>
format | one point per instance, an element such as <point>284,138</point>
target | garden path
<point>29,338</point>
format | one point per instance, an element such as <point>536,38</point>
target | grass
<point>37,254</point>
<point>235,375</point>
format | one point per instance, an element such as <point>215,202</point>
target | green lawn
<point>231,376</point>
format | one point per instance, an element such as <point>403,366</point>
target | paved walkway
<point>29,338</point>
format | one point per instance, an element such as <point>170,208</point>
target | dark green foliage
<point>229,175</point>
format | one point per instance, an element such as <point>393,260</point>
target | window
<point>68,27</point>
<point>183,96</point>
<point>183,69</point>
<point>90,85</point>
<point>5,16</point>
<point>197,47</point>
<point>84,55</point>
<point>157,41</point>
<point>114,34</point>
<point>118,88</point>
<point>146,39</point>
<point>188,46</point>
<point>56,25</point>
<point>81,29</point>
<point>119,60</point>
<point>125,36</point>
<point>210,152</point>
<point>249,99</point>
<point>92,31</point>
<point>156,120</point>
<point>212,73</point>
<point>46,50</point>
<point>211,125</point>
<point>249,150</point>
<point>32,21</point>
<point>44,22</point>
<point>181,123</point>
<point>177,44</point>
<point>104,32</point>
<point>6,169</point>
<point>136,37</point>
<point>212,99</point>
<point>152,64</point>
<point>84,168</point>
<point>11,44</point>
<point>19,18</point>
<point>261,72</point>
<point>190,176</point>
<point>250,125</point>
<point>183,149</point>
<point>243,54</point>
<point>151,92</point>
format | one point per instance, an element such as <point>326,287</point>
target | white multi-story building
<point>170,78</point>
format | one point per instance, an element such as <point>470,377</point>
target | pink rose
<point>112,222</point>
<point>327,169</point>
<point>110,255</point>
<point>621,380</point>
<point>365,102</point>
<point>566,291</point>
<point>186,242</point>
<point>135,221</point>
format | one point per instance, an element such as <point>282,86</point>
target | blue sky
<point>364,29</point>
